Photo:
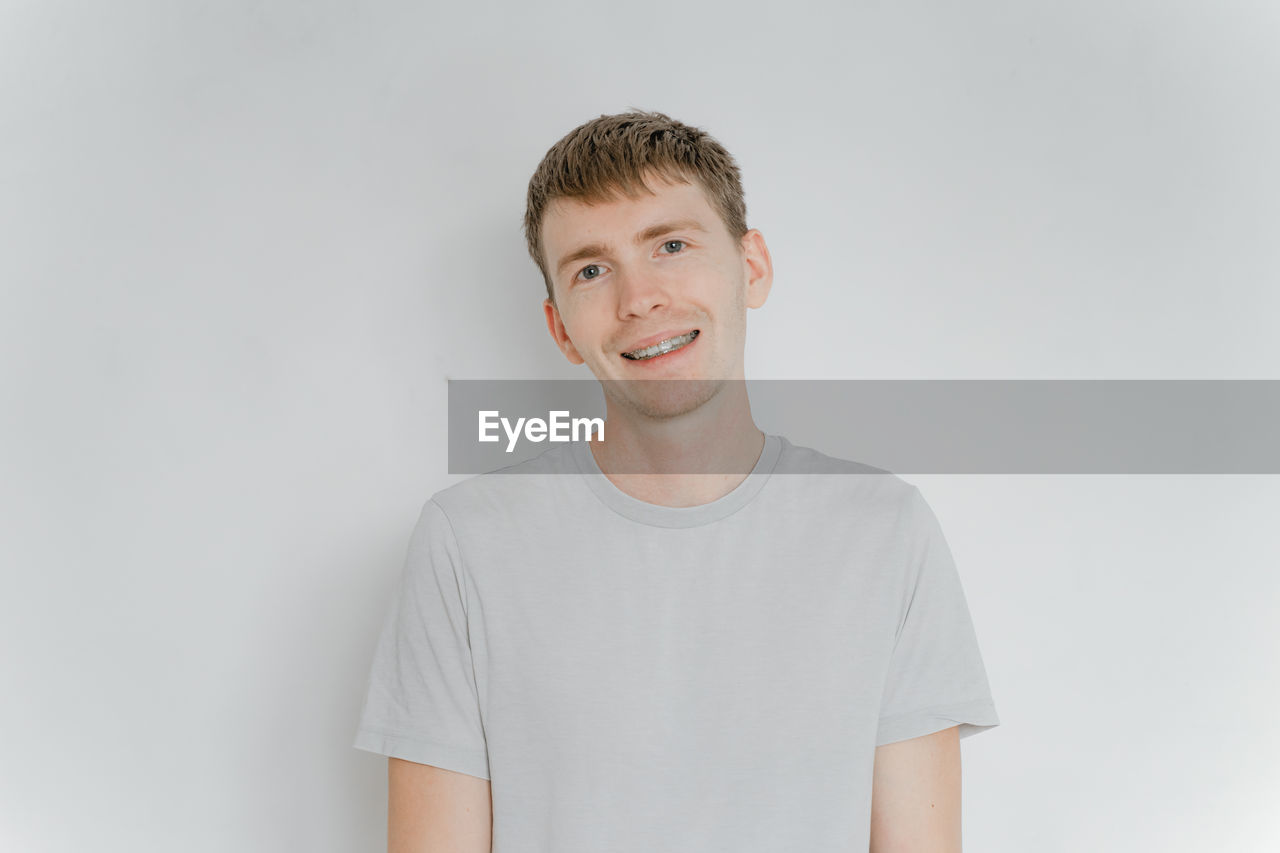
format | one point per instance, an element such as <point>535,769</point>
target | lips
<point>661,345</point>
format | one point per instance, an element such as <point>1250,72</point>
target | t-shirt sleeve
<point>422,704</point>
<point>936,678</point>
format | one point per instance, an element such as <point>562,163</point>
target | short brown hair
<point>613,153</point>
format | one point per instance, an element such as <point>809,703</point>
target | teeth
<point>662,347</point>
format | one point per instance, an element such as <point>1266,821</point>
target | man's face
<point>660,270</point>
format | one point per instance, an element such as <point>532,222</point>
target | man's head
<point>638,225</point>
<point>612,156</point>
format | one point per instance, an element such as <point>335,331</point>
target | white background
<point>243,244</point>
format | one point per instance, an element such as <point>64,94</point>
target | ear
<point>556,327</point>
<point>758,267</point>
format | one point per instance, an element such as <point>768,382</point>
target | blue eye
<point>672,242</point>
<point>588,267</point>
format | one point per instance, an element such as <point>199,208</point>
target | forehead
<point>571,222</point>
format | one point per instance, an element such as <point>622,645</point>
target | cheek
<point>733,294</point>
<point>582,330</point>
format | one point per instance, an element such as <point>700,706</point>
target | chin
<point>662,399</point>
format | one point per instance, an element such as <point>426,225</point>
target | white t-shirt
<point>633,677</point>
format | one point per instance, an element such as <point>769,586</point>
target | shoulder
<point>520,491</point>
<point>848,484</point>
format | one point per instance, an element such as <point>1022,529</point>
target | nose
<point>639,294</point>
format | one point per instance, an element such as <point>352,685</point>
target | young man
<point>690,635</point>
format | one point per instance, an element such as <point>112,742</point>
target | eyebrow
<point>650,233</point>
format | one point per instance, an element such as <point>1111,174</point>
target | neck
<point>648,458</point>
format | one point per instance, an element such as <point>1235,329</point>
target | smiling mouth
<point>662,347</point>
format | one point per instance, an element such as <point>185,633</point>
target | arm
<point>915,795</point>
<point>432,810</point>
